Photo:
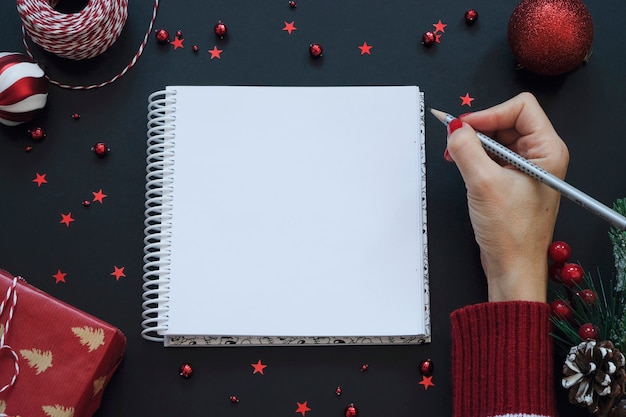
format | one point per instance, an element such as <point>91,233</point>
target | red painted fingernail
<point>454,125</point>
<point>446,156</point>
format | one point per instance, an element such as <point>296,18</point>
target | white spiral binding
<point>158,227</point>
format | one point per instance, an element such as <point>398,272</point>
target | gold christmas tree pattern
<point>58,411</point>
<point>93,338</point>
<point>37,359</point>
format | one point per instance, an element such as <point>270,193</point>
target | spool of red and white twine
<point>82,35</point>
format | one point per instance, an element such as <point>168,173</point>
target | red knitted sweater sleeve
<point>502,360</point>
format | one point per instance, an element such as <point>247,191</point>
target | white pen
<point>543,176</point>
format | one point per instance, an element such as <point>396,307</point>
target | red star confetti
<point>118,273</point>
<point>466,100</point>
<point>440,27</point>
<point>289,27</point>
<point>258,367</point>
<point>40,179</point>
<point>66,219</point>
<point>437,38</point>
<point>98,196</point>
<point>427,381</point>
<point>365,48</point>
<point>59,276</point>
<point>302,408</point>
<point>215,53</point>
<point>177,43</point>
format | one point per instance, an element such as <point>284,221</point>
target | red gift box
<point>65,356</point>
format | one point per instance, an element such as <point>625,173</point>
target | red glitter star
<point>66,219</point>
<point>289,27</point>
<point>40,179</point>
<point>466,100</point>
<point>302,408</point>
<point>365,48</point>
<point>118,273</point>
<point>59,276</point>
<point>178,43</point>
<point>98,196</point>
<point>215,53</point>
<point>440,27</point>
<point>258,367</point>
<point>427,381</point>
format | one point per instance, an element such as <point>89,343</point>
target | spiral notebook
<point>286,216</point>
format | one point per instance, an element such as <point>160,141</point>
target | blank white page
<point>297,212</point>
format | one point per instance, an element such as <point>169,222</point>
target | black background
<point>586,107</point>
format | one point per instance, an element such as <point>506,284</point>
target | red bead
<point>76,116</point>
<point>588,296</point>
<point>234,399</point>
<point>162,36</point>
<point>364,367</point>
<point>316,50</point>
<point>572,274</point>
<point>338,391</point>
<point>427,367</point>
<point>194,48</point>
<point>292,4</point>
<point>588,331</point>
<point>561,309</point>
<point>559,252</point>
<point>351,411</point>
<point>100,149</point>
<point>28,148</point>
<point>179,34</point>
<point>428,38</point>
<point>220,29</point>
<point>186,370</point>
<point>37,133</point>
<point>471,16</point>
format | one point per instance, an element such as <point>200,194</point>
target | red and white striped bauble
<point>23,88</point>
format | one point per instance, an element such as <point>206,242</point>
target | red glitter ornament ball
<point>429,38</point>
<point>234,399</point>
<point>75,116</point>
<point>37,133</point>
<point>162,36</point>
<point>338,391</point>
<point>471,16</point>
<point>100,149</point>
<point>588,331</point>
<point>550,37</point>
<point>364,367</point>
<point>426,367</point>
<point>186,370</point>
<point>351,411</point>
<point>316,50</point>
<point>220,29</point>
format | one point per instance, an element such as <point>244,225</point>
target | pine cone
<point>595,376</point>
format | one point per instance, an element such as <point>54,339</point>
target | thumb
<point>468,153</point>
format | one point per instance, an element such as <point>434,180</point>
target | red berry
<point>561,310</point>
<point>559,252</point>
<point>588,331</point>
<point>572,274</point>
<point>588,296</point>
